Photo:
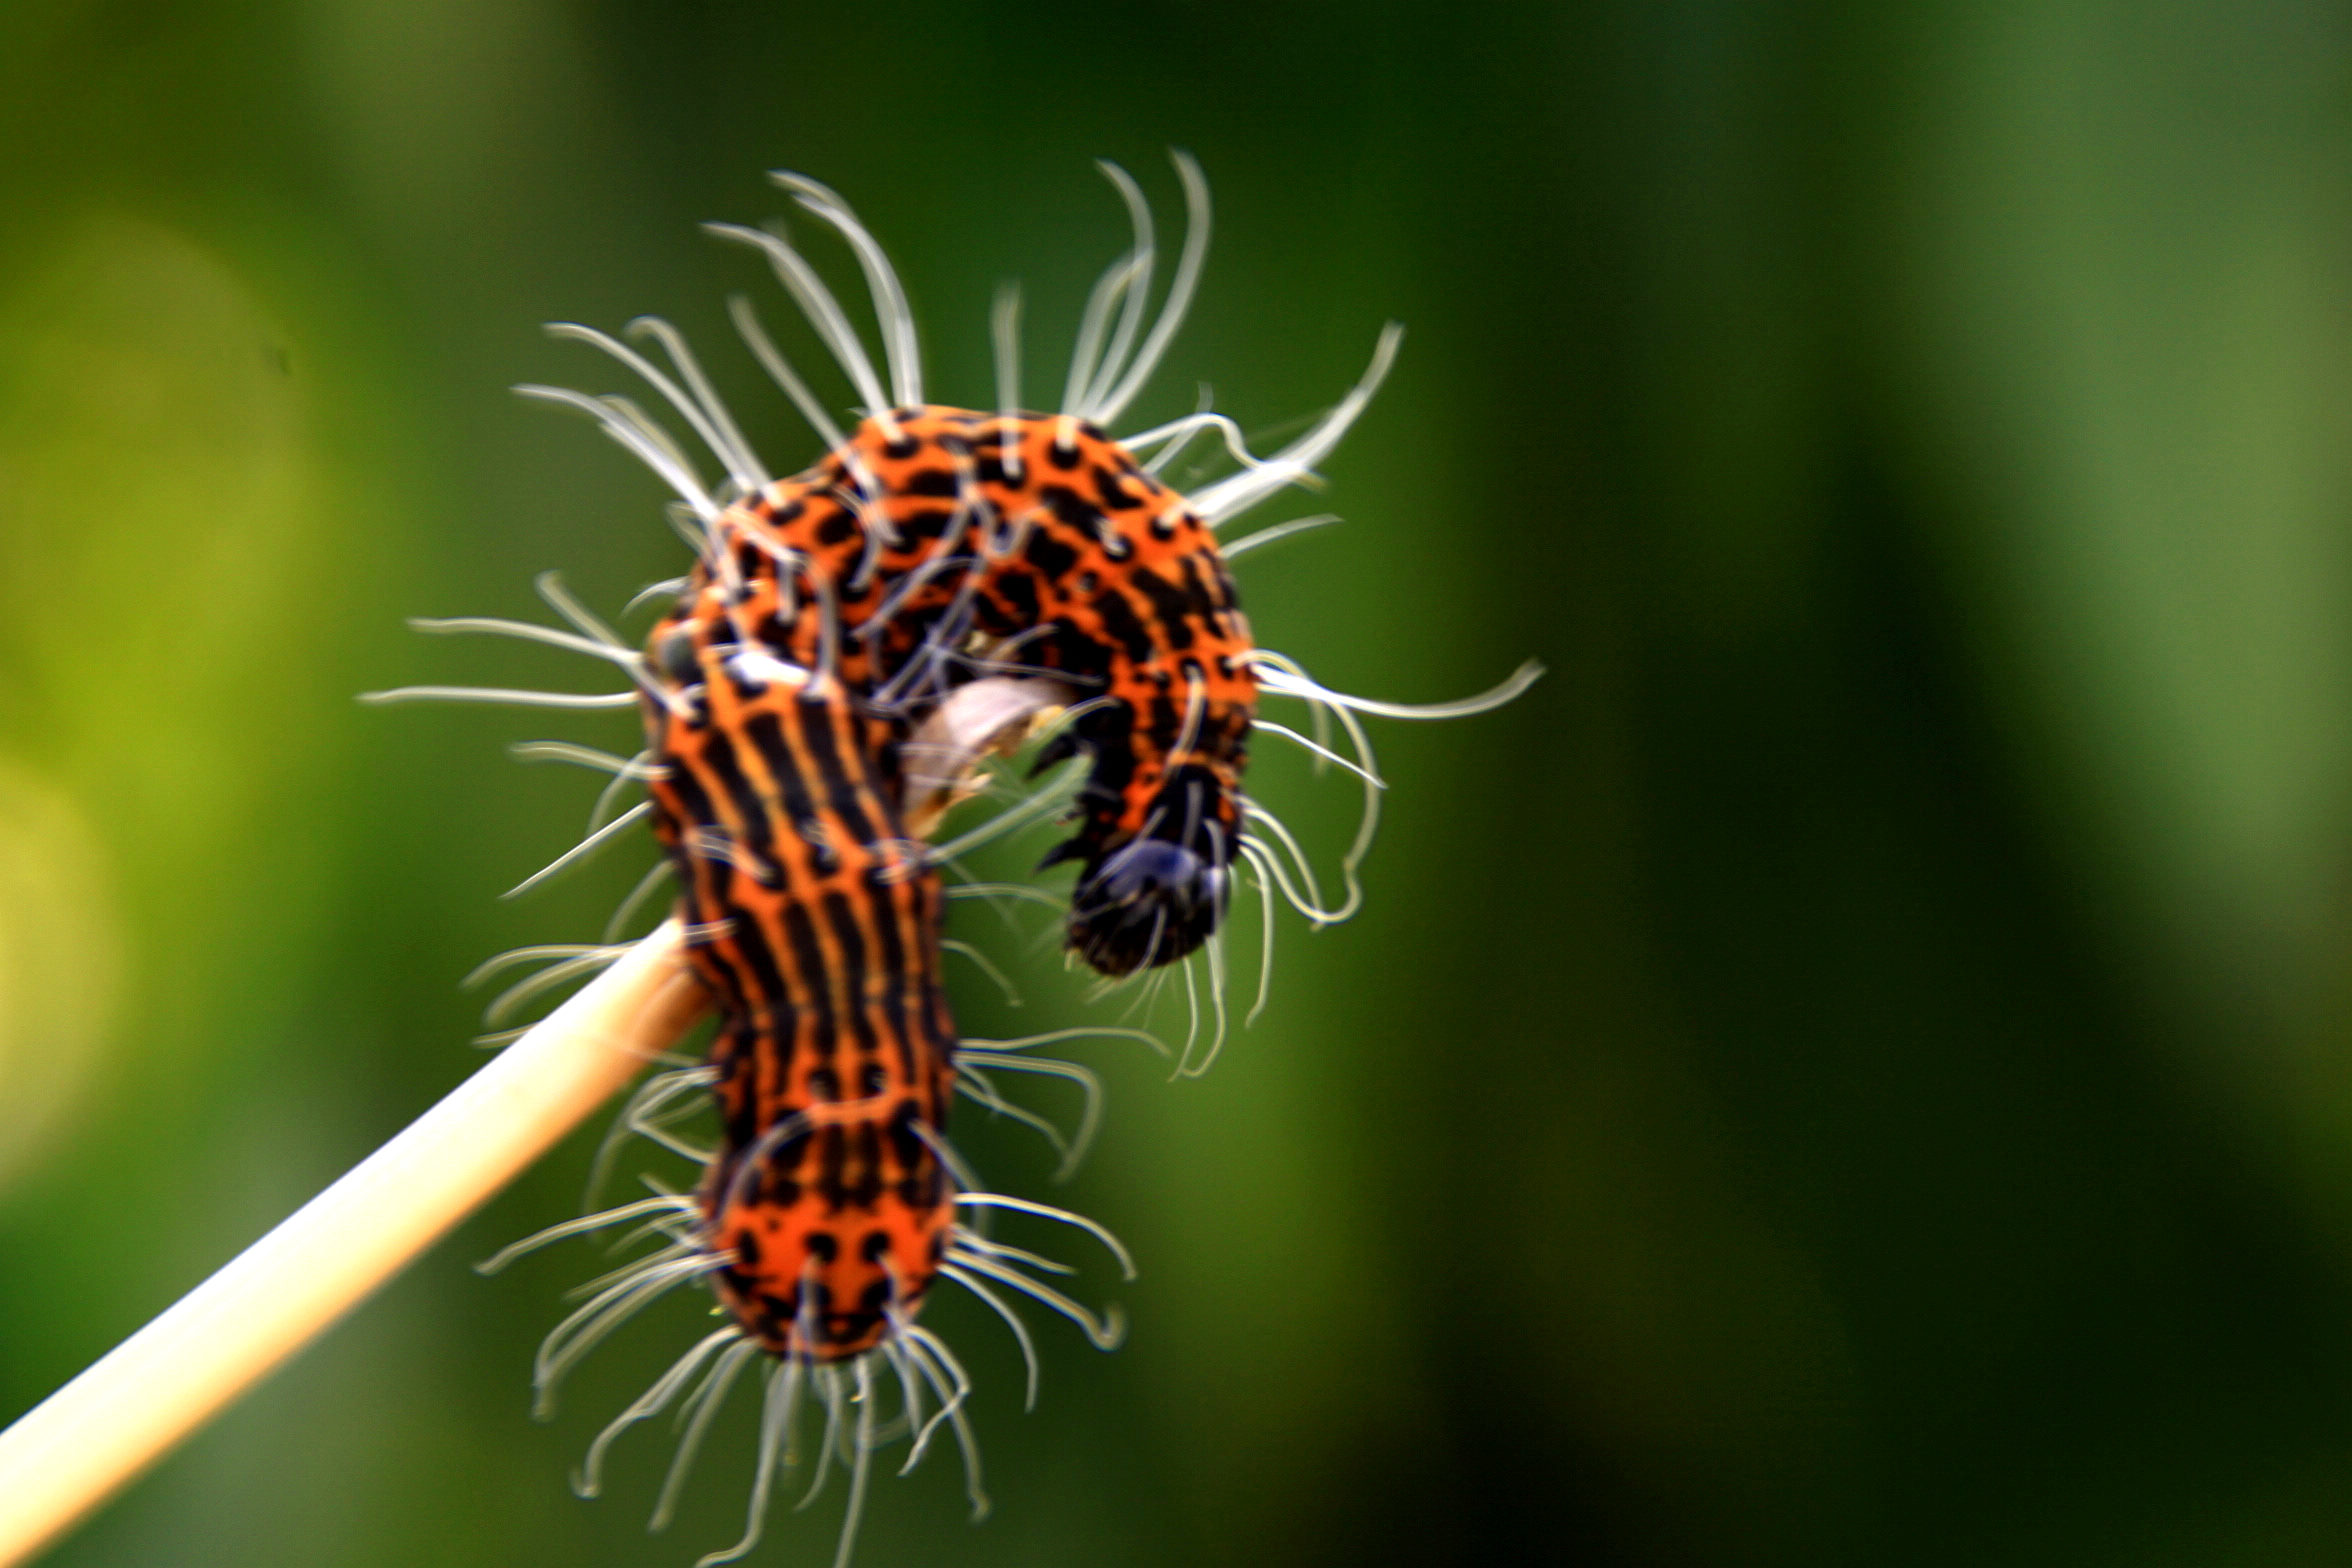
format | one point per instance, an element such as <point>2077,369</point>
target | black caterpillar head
<point>1157,897</point>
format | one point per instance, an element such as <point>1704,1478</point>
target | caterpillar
<point>849,641</point>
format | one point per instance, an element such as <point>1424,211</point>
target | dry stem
<point>93,1436</point>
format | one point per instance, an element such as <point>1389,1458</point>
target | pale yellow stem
<point>93,1436</point>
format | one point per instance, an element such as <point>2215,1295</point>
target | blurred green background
<point>1852,1070</point>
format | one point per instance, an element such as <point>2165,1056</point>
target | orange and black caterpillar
<point>831,623</point>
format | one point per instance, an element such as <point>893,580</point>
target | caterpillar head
<point>1157,897</point>
<point>1155,843</point>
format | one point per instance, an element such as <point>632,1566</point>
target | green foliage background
<point>1851,1070</point>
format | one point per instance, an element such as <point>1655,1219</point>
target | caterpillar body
<point>957,544</point>
<point>830,1202</point>
<point>938,578</point>
<point>817,929</point>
